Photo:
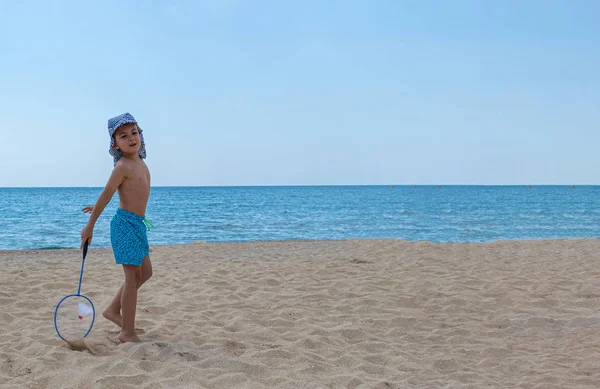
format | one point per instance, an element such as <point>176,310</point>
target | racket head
<point>74,299</point>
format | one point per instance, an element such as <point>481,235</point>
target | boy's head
<point>125,135</point>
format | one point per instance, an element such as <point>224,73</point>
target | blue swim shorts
<point>128,238</point>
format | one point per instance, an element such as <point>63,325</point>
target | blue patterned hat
<point>116,122</point>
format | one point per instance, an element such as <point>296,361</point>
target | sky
<point>307,92</point>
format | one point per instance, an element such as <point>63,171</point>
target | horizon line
<point>299,185</point>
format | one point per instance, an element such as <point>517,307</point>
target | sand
<point>315,314</point>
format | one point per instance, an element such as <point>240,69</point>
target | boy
<point>131,178</point>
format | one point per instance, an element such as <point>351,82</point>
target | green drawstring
<point>148,224</point>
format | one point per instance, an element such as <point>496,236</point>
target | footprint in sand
<point>98,349</point>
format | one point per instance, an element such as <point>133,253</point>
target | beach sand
<point>315,314</point>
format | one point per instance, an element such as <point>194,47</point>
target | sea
<point>52,218</point>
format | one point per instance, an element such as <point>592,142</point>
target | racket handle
<point>85,248</point>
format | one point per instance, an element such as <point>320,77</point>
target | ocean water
<point>47,218</point>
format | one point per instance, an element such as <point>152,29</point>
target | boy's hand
<point>88,209</point>
<point>86,234</point>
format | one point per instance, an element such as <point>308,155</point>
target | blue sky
<point>282,92</point>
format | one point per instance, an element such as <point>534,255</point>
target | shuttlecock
<point>84,310</point>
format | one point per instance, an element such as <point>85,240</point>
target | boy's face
<point>127,138</point>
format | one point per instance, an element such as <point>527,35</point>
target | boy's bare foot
<point>125,338</point>
<point>114,317</point>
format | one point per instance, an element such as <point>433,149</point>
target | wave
<point>226,227</point>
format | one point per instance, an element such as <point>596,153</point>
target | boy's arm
<point>116,178</point>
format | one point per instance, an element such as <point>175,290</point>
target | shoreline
<point>52,249</point>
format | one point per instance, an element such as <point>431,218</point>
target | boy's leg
<point>146,270</point>
<point>129,303</point>
<point>113,311</point>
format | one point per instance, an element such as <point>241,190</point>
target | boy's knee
<point>146,274</point>
<point>146,270</point>
<point>132,274</point>
<point>143,279</point>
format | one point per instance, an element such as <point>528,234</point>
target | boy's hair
<point>115,133</point>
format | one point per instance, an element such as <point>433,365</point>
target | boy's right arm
<point>116,178</point>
